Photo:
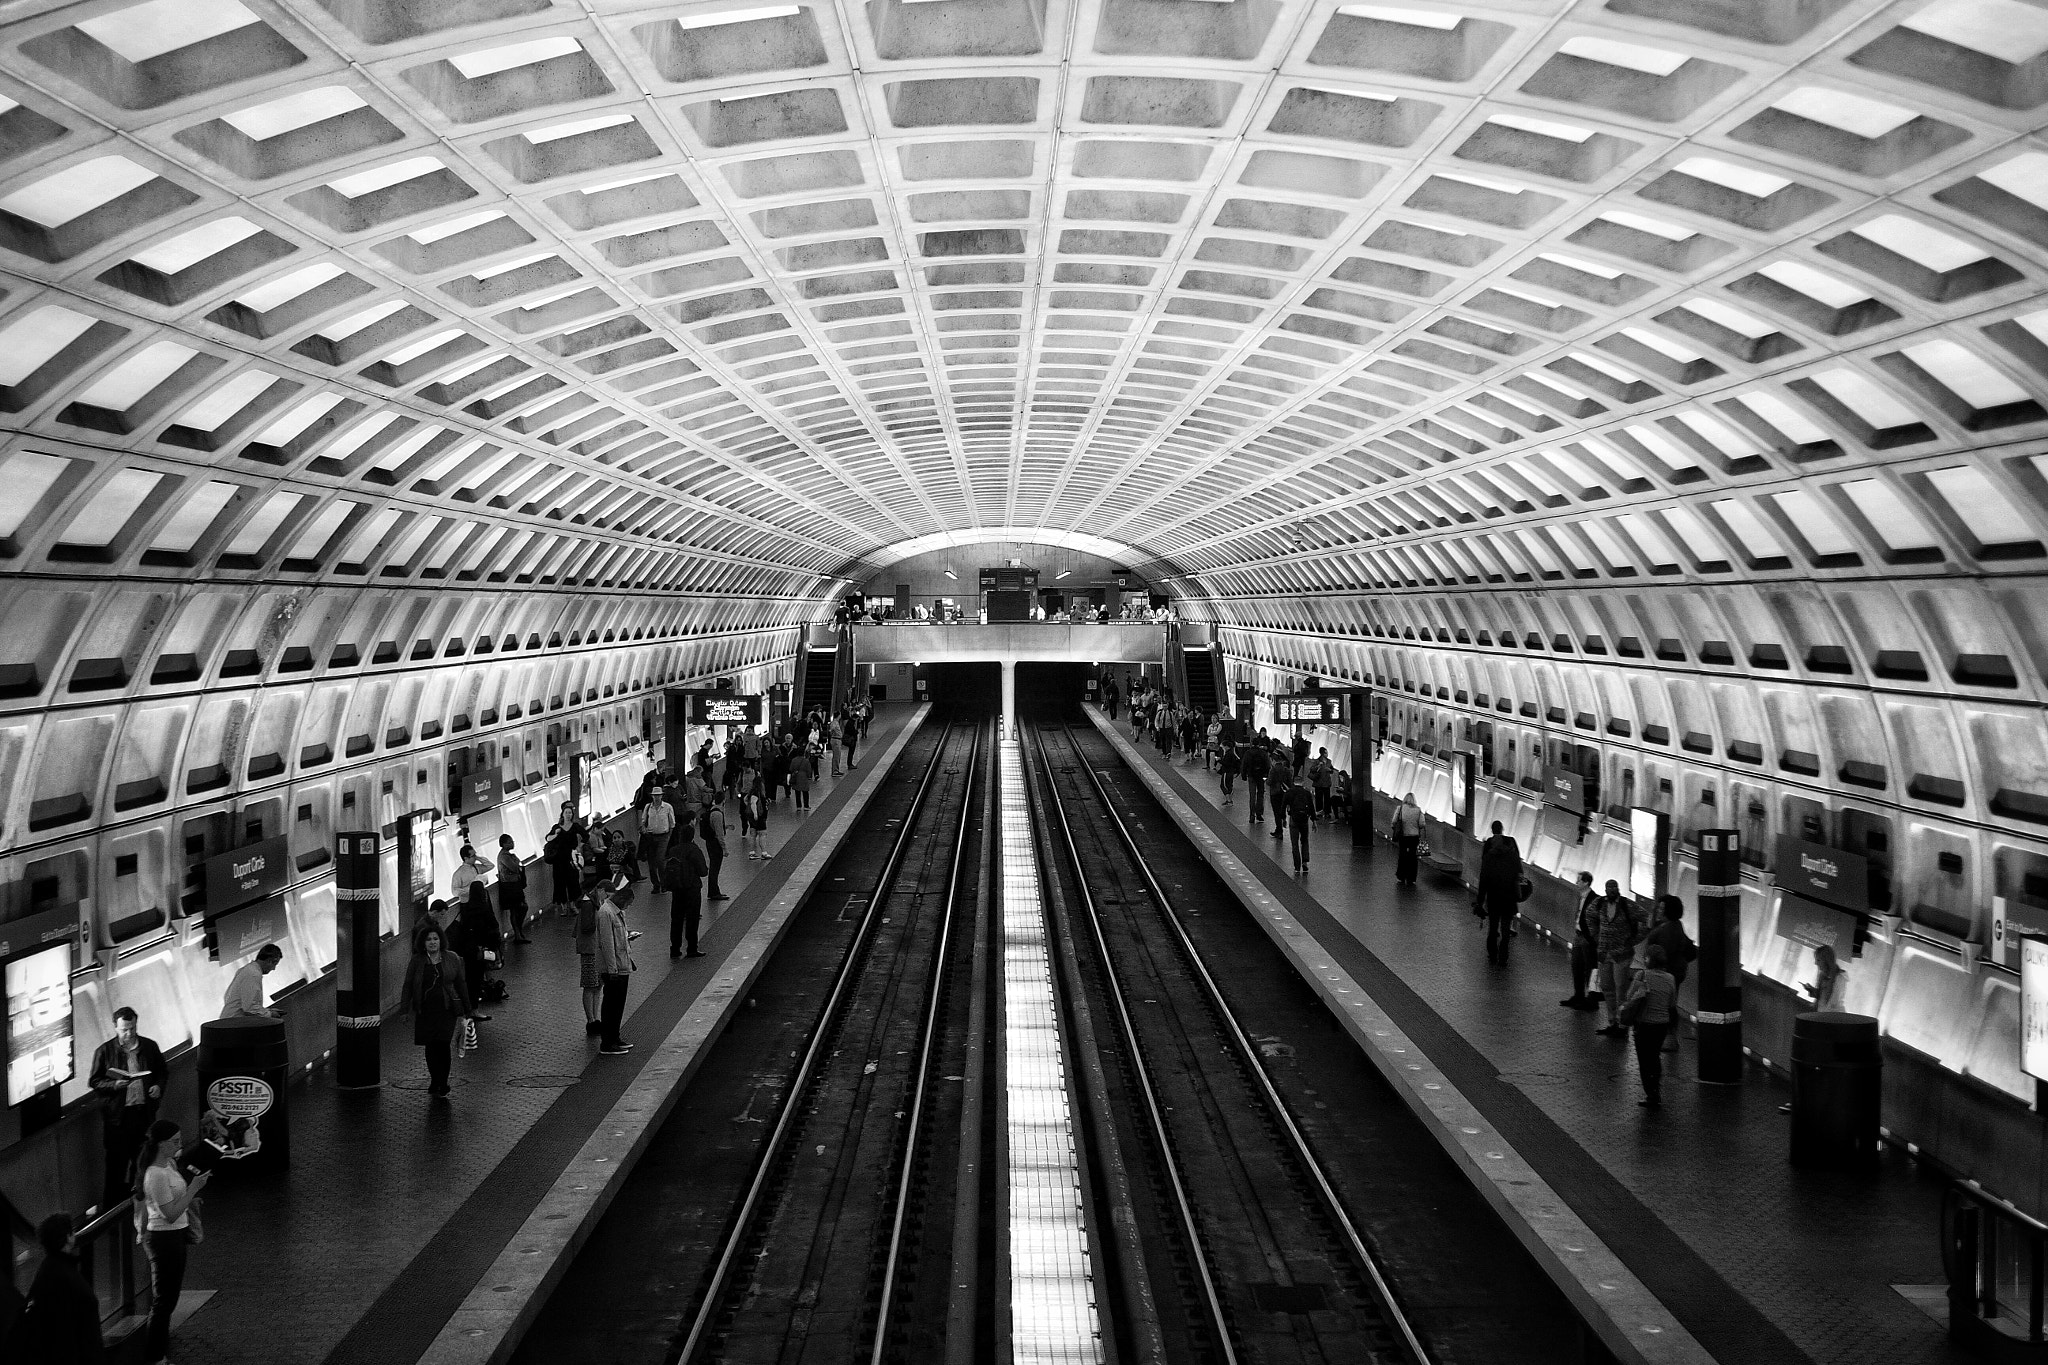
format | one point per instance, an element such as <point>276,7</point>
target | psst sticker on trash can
<point>239,1097</point>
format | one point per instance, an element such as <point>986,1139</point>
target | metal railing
<point>110,1260</point>
<point>1996,1259</point>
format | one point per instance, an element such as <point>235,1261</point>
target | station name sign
<point>725,708</point>
<point>247,874</point>
<point>1565,789</point>
<point>1824,874</point>
<point>1309,708</point>
<point>482,790</point>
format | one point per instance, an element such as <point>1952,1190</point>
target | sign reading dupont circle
<point>239,1097</point>
<point>1565,789</point>
<point>247,874</point>
<point>1824,874</point>
<point>481,791</point>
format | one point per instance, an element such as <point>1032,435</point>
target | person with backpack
<point>684,876</point>
<point>1301,813</point>
<point>1279,780</point>
<point>1258,760</point>
<point>753,807</point>
<point>657,824</point>
<point>803,768</point>
<point>1500,891</point>
<point>712,829</point>
<point>1406,832</point>
<point>1229,762</point>
<point>849,735</point>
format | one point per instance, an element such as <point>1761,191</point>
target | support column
<point>358,963</point>
<point>1009,668</point>
<point>1720,966</point>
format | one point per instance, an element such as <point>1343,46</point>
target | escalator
<point>1200,669</point>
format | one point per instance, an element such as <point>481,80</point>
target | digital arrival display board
<point>1308,708</point>
<point>725,708</point>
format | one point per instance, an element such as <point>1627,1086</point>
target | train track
<point>823,1257</point>
<point>1232,1244</point>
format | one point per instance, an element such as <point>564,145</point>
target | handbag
<point>472,1039</point>
<point>1632,1010</point>
<point>1422,849</point>
<point>1524,889</point>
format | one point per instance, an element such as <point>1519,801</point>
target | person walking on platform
<point>684,877</point>
<point>1585,946</point>
<point>1648,1013</point>
<point>753,808</point>
<point>128,1076</point>
<point>1321,773</point>
<point>711,826</point>
<point>163,1204</point>
<point>1258,760</point>
<point>1621,928</point>
<point>614,968</point>
<point>657,823</point>
<point>1229,762</point>
<point>849,735</point>
<point>1406,832</point>
<point>475,938</point>
<point>512,889</point>
<point>1109,699</point>
<point>1500,891</point>
<point>1279,778</point>
<point>1679,951</point>
<point>436,995</point>
<point>1301,813</point>
<point>832,741</point>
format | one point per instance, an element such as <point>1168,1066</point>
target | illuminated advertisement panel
<point>38,988</point>
<point>2033,1006</point>
<point>725,708</point>
<point>582,777</point>
<point>1649,839</point>
<point>416,860</point>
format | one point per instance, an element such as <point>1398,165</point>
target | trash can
<point>244,1064</point>
<point>1837,1091</point>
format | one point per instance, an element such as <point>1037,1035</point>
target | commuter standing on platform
<point>802,769</point>
<point>657,823</point>
<point>1279,778</point>
<point>614,967</point>
<point>1301,813</point>
<point>684,877</point>
<point>163,1200</point>
<point>1621,928</point>
<point>849,735</point>
<point>468,867</point>
<point>1679,951</point>
<point>711,825</point>
<point>1500,891</point>
<point>1321,773</point>
<point>564,877</point>
<point>1229,763</point>
<point>1585,946</point>
<point>587,980</point>
<point>128,1075</point>
<point>1110,697</point>
<point>832,741</point>
<point>245,993</point>
<point>1258,760</point>
<point>437,997</point>
<point>60,1322</point>
<point>1406,832</point>
<point>1649,1011</point>
<point>512,889</point>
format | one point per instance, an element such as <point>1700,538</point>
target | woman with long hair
<point>479,934</point>
<point>437,997</point>
<point>163,1201</point>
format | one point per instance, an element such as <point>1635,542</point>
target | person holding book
<point>128,1076</point>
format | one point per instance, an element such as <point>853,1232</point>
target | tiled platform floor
<point>1704,1189</point>
<point>346,1256</point>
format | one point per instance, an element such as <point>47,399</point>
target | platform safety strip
<point>487,1327</point>
<point>1631,1320</point>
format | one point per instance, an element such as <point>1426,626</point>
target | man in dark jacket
<point>1585,946</point>
<point>60,1324</point>
<point>1679,951</point>
<point>684,877</point>
<point>128,1077</point>
<point>1301,813</point>
<point>1500,891</point>
<point>1258,762</point>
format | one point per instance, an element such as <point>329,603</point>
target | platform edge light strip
<point>1052,1291</point>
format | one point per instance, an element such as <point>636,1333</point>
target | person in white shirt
<point>163,1200</point>
<point>468,868</point>
<point>245,992</point>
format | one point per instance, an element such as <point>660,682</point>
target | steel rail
<point>785,1120</point>
<point>926,1047</point>
<point>1249,1055</point>
<point>1155,1113</point>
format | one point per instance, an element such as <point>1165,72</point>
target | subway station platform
<point>1759,1263</point>
<point>412,1229</point>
